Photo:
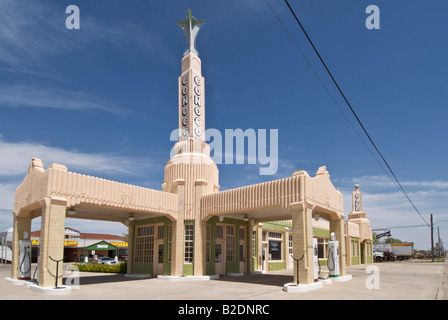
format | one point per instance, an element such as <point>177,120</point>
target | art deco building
<point>190,228</point>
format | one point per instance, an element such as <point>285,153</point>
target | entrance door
<point>363,251</point>
<point>264,257</point>
<point>242,249</point>
<point>242,255</point>
<point>219,258</point>
<point>158,266</point>
<point>290,263</point>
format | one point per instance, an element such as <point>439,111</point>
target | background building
<point>78,245</point>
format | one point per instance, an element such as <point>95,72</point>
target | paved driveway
<point>385,281</point>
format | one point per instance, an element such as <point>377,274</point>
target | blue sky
<point>103,99</point>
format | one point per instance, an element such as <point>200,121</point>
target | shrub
<point>116,268</point>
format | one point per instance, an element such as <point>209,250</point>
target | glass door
<point>159,263</point>
<point>219,259</point>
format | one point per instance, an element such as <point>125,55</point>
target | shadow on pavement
<point>86,278</point>
<point>262,279</point>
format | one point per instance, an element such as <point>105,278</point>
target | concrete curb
<point>293,287</point>
<point>188,278</point>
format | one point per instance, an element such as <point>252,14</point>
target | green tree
<point>392,240</point>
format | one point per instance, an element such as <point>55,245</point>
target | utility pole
<point>432,240</point>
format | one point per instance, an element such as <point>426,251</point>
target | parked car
<point>107,260</point>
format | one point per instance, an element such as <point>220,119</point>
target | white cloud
<point>385,181</point>
<point>33,35</point>
<point>17,156</point>
<point>25,42</point>
<point>7,191</point>
<point>438,184</point>
<point>27,96</point>
<point>387,207</point>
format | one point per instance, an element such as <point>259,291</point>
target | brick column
<point>51,243</point>
<point>21,224</point>
<point>337,226</point>
<point>302,239</point>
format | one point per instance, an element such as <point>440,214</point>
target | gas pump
<point>316,260</point>
<point>24,258</point>
<point>333,256</point>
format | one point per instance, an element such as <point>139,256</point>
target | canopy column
<point>22,224</point>
<point>51,244</point>
<point>302,239</point>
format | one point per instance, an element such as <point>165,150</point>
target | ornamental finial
<point>191,28</point>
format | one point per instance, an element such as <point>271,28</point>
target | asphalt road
<point>414,280</point>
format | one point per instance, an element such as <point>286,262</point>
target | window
<point>145,230</point>
<point>275,250</point>
<point>275,245</point>
<point>189,244</point>
<point>219,232</point>
<point>208,244</point>
<point>160,232</point>
<point>230,243</point>
<point>241,253</point>
<point>290,244</point>
<point>254,235</point>
<point>170,242</point>
<point>242,236</point>
<point>242,233</point>
<point>218,252</point>
<point>160,259</point>
<point>355,248</point>
<point>275,235</point>
<point>322,245</point>
<point>144,244</point>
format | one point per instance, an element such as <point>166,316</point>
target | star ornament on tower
<point>191,27</point>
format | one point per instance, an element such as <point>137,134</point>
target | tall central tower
<point>190,173</point>
<point>191,100</point>
<point>191,85</point>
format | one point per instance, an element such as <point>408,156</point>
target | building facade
<point>81,246</point>
<point>190,227</point>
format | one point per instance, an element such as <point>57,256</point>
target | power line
<point>354,113</point>
<point>328,91</point>
<point>395,179</point>
<point>399,227</point>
